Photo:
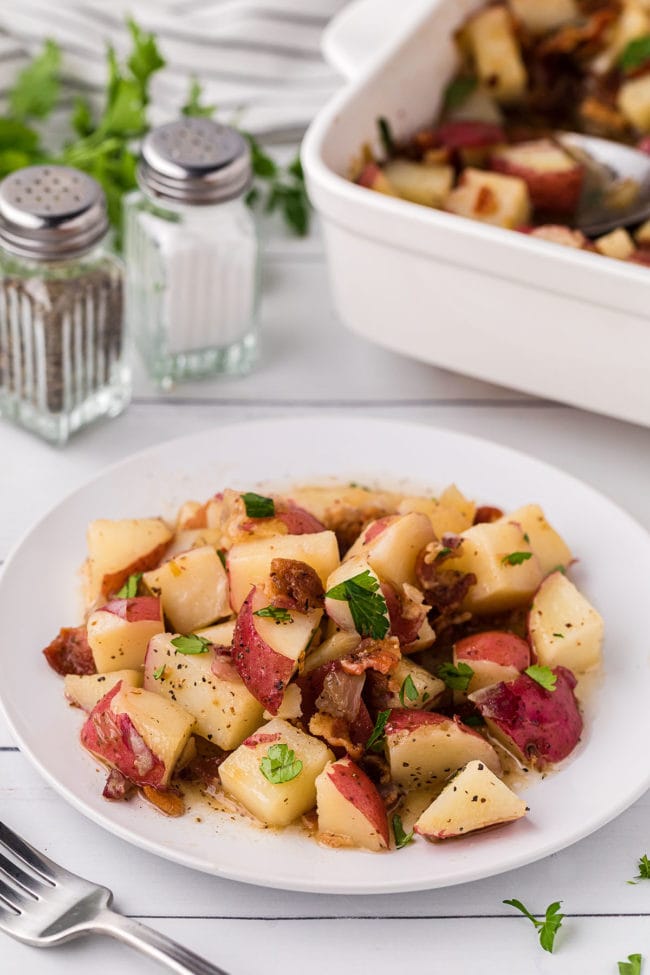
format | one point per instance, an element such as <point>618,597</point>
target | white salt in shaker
<point>191,253</point>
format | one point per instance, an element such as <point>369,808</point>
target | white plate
<point>611,768</point>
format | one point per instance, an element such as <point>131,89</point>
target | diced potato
<point>556,233</point>
<point>492,198</point>
<point>473,799</point>
<point>87,690</point>
<point>507,571</point>
<point>564,627</point>
<point>224,711</point>
<point>550,549</point>
<point>479,106</point>
<point>164,726</point>
<point>617,244</point>
<point>220,634</point>
<point>642,234</point>
<point>350,807</point>
<point>116,549</point>
<point>497,54</point>
<point>276,804</point>
<point>249,563</point>
<point>428,185</point>
<point>190,538</point>
<point>634,102</point>
<point>633,22</point>
<point>391,546</point>
<point>117,643</point>
<point>322,501</point>
<point>540,16</point>
<point>338,645</point>
<point>428,688</point>
<point>451,512</point>
<point>193,588</point>
<point>374,178</point>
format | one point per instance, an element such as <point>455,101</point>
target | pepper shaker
<point>62,356</point>
<point>192,253</point>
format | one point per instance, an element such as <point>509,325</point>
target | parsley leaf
<point>408,689</point>
<point>473,720</point>
<point>457,91</point>
<point>280,764</point>
<point>632,966</point>
<point>145,58</point>
<point>442,554</point>
<point>130,587</point>
<point>376,741</point>
<point>275,613</point>
<point>547,928</point>
<point>257,506</point>
<point>643,867</point>
<point>543,676</point>
<point>516,558</point>
<point>286,188</point>
<point>635,54</point>
<point>193,106</point>
<point>159,672</point>
<point>401,837</point>
<point>222,556</point>
<point>191,644</point>
<point>558,568</point>
<point>456,678</point>
<point>36,90</point>
<point>386,136</point>
<point>559,636</point>
<point>367,604</point>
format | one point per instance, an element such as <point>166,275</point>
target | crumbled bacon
<point>295,585</point>
<point>204,766</point>
<point>348,523</point>
<point>381,655</point>
<point>336,732</point>
<point>487,514</point>
<point>69,653</point>
<point>407,614</point>
<point>445,590</point>
<point>341,694</point>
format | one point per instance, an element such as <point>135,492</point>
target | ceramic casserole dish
<point>488,302</point>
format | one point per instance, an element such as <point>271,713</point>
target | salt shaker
<point>191,253</point>
<point>62,356</point>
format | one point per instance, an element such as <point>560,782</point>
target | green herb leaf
<point>635,54</point>
<point>442,554</point>
<point>36,90</point>
<point>632,966</point>
<point>222,556</point>
<point>516,558</point>
<point>193,106</point>
<point>474,720</point>
<point>547,928</point>
<point>191,644</point>
<point>457,91</point>
<point>257,506</point>
<point>159,672</point>
<point>145,58</point>
<point>643,867</point>
<point>456,678</point>
<point>408,689</point>
<point>401,837</point>
<point>543,676</point>
<point>386,136</point>
<point>275,613</point>
<point>559,636</point>
<point>367,604</point>
<point>558,568</point>
<point>527,538</point>
<point>376,741</point>
<point>82,117</point>
<point>130,587</point>
<point>280,764</point>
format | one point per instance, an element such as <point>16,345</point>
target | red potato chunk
<point>350,807</point>
<point>539,726</point>
<point>553,177</point>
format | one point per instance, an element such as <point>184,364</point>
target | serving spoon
<point>616,189</point>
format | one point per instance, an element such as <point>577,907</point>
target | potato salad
<point>369,664</point>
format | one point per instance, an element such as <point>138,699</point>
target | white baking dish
<point>484,301</point>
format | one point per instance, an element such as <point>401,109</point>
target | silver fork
<point>44,905</point>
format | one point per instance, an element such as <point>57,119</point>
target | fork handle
<point>153,944</point>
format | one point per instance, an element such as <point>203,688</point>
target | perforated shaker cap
<point>195,160</point>
<point>51,212</point>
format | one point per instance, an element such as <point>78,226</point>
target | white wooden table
<point>312,364</point>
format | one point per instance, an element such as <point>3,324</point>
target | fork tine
<point>29,856</point>
<point>14,897</point>
<point>31,882</point>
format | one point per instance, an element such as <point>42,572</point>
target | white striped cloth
<point>258,60</point>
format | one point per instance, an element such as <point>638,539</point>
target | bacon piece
<point>204,766</point>
<point>487,514</point>
<point>381,655</point>
<point>69,653</point>
<point>406,614</point>
<point>582,38</point>
<point>295,585</point>
<point>117,787</point>
<point>348,523</point>
<point>341,694</point>
<point>336,732</point>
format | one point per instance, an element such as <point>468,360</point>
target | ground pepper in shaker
<point>62,359</point>
<point>192,253</point>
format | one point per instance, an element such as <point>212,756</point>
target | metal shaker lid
<point>51,212</point>
<point>196,161</point>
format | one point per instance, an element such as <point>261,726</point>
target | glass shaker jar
<point>192,253</point>
<point>62,357</point>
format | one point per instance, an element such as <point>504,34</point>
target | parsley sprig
<point>457,678</point>
<point>643,867</point>
<point>191,644</point>
<point>547,928</point>
<point>543,676</point>
<point>130,588</point>
<point>632,966</point>
<point>376,741</point>
<point>367,604</point>
<point>408,690</point>
<point>402,838</point>
<point>635,54</point>
<point>275,613</point>
<point>280,764</point>
<point>257,506</point>
<point>516,558</point>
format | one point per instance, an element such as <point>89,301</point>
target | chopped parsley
<point>130,588</point>
<point>159,672</point>
<point>257,506</point>
<point>386,136</point>
<point>547,928</point>
<point>558,568</point>
<point>635,54</point>
<point>543,676</point>
<point>457,91</point>
<point>408,689</point>
<point>191,644</point>
<point>222,556</point>
<point>516,558</point>
<point>456,678</point>
<point>280,764</point>
<point>473,720</point>
<point>443,553</point>
<point>367,604</point>
<point>275,613</point>
<point>632,966</point>
<point>376,741</point>
<point>401,837</point>
<point>643,867</point>
<point>527,538</point>
<point>559,636</point>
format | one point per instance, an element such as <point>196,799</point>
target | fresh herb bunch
<point>106,146</point>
